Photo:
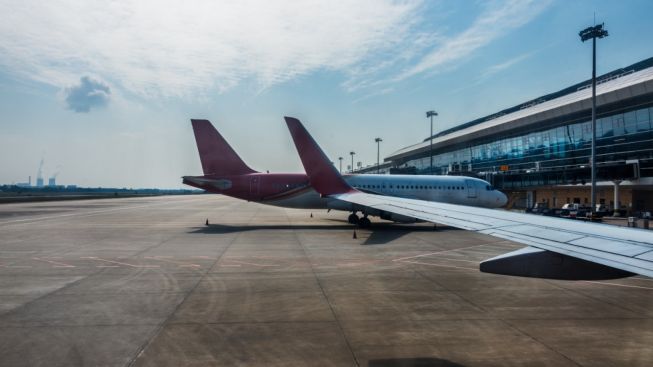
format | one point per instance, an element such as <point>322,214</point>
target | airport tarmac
<point>144,282</point>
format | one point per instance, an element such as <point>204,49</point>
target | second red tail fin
<point>323,175</point>
<point>218,158</point>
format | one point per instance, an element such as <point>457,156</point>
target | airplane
<point>226,173</point>
<point>557,248</point>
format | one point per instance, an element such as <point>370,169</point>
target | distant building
<point>52,182</point>
<point>25,184</point>
<point>39,182</point>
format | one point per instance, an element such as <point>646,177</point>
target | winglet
<point>323,175</point>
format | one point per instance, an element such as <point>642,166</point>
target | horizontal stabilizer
<point>537,263</point>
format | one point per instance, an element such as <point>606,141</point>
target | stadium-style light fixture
<point>593,33</point>
<point>352,160</point>
<point>431,114</point>
<point>378,149</point>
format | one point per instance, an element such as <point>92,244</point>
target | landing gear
<point>353,218</point>
<point>364,222</point>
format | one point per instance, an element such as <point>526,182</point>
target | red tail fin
<point>323,175</point>
<point>217,157</point>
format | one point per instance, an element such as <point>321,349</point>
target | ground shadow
<point>383,233</point>
<point>412,362</point>
<point>227,228</point>
<point>379,233</point>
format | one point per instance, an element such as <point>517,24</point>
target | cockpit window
<point>489,188</point>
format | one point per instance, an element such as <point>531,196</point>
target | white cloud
<point>167,48</point>
<point>494,22</point>
<point>491,70</point>
<point>184,48</point>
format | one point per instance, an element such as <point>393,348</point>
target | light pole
<point>593,33</point>
<point>340,159</point>
<point>352,160</point>
<point>431,114</point>
<point>378,150</point>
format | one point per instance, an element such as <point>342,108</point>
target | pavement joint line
<point>57,263</point>
<point>81,214</point>
<point>187,294</point>
<point>121,263</point>
<point>449,259</point>
<point>434,253</point>
<point>640,278</point>
<point>253,264</point>
<point>438,265</point>
<point>514,327</point>
<point>588,294</point>
<point>179,263</point>
<point>324,294</point>
<point>618,285</point>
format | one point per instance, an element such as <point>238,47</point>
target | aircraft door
<point>471,189</point>
<point>254,183</point>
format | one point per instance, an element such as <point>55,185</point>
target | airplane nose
<point>502,198</point>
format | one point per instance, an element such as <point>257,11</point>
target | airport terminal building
<point>539,151</point>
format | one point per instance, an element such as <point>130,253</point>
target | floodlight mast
<point>593,33</point>
<point>352,160</point>
<point>431,114</point>
<point>378,149</point>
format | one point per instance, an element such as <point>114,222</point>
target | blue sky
<point>104,91</point>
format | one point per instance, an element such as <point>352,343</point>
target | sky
<point>103,91</point>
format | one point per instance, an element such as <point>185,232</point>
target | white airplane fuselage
<point>446,189</point>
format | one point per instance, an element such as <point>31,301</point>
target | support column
<point>617,204</point>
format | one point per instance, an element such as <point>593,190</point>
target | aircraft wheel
<point>364,222</point>
<point>353,218</point>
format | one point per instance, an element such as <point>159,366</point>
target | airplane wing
<point>558,248</point>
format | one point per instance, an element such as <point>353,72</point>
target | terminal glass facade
<point>620,136</point>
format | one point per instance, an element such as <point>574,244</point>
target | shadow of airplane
<point>226,228</point>
<point>379,234</point>
<point>412,362</point>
